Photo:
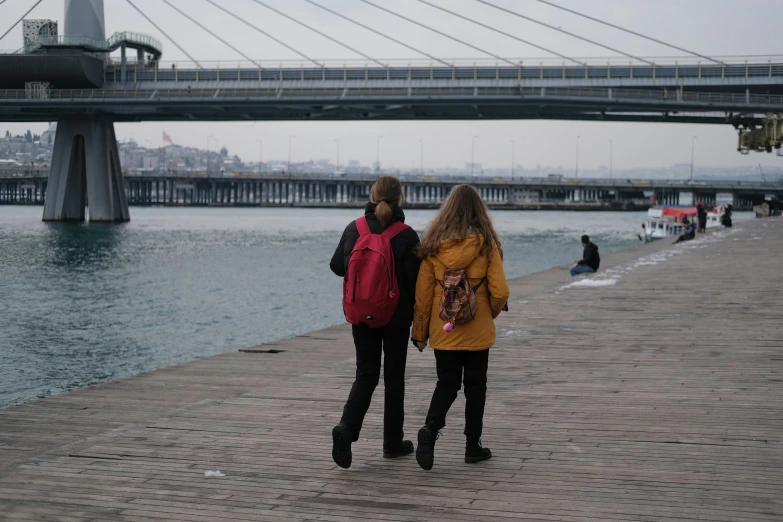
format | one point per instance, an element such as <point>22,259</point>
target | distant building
<point>47,136</point>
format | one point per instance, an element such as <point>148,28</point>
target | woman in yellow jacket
<point>460,237</point>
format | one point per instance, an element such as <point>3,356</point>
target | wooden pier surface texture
<point>650,391</point>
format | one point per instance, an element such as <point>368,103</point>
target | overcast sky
<point>711,27</point>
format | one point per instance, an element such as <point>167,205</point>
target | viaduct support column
<point>86,169</point>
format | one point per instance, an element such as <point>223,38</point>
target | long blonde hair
<point>386,192</point>
<point>461,215</point>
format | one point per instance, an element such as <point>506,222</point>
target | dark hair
<point>386,192</point>
<point>585,239</point>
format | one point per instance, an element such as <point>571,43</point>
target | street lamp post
<point>610,159</point>
<point>260,155</point>
<point>378,152</point>
<point>577,156</point>
<point>693,150</point>
<point>421,164</point>
<point>290,140</point>
<point>473,157</point>
<point>337,145</point>
<point>209,139</point>
<point>513,160</point>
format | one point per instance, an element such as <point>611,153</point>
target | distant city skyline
<point>135,156</point>
<point>707,26</point>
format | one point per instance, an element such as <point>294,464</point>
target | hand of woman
<point>421,345</point>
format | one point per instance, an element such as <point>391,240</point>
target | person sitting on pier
<point>590,261</point>
<point>689,232</point>
<point>377,327</point>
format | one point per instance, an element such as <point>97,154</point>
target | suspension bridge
<point>78,80</point>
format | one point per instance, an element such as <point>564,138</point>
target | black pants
<point>370,342</point>
<point>450,365</point>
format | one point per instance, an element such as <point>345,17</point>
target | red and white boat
<point>668,221</point>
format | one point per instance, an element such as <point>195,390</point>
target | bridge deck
<point>656,398</point>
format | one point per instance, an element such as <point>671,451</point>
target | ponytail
<point>383,212</point>
<point>386,192</point>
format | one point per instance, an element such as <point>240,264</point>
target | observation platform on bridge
<point>652,394</point>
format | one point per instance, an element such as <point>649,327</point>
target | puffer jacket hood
<point>489,281</point>
<point>458,255</point>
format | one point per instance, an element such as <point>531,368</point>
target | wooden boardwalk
<point>655,394</point>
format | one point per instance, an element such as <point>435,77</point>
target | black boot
<point>474,452</point>
<point>341,445</point>
<point>425,452</point>
<point>405,447</point>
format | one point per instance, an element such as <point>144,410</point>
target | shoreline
<point>540,280</point>
<point>606,258</point>
<point>503,207</point>
<point>602,405</point>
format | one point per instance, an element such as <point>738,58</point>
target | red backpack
<point>370,290</point>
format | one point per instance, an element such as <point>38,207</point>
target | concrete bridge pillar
<point>86,169</point>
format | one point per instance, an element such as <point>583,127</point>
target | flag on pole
<point>167,138</point>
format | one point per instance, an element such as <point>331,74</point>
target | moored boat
<point>667,221</point>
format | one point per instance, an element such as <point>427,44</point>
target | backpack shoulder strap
<point>362,226</point>
<point>394,229</point>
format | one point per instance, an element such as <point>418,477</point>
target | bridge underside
<point>226,106</point>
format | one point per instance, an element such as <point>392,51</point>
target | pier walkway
<point>650,391</point>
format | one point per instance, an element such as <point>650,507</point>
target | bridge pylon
<point>85,161</point>
<point>86,170</point>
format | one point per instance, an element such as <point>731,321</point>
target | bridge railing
<point>675,97</point>
<point>531,62</point>
<point>417,70</point>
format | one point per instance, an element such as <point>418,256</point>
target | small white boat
<point>665,222</point>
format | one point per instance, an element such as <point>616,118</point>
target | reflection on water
<point>85,303</point>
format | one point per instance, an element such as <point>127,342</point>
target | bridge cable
<point>178,46</point>
<point>313,29</point>
<point>3,1</point>
<point>501,32</point>
<point>243,55</point>
<point>628,31</point>
<point>20,20</point>
<point>263,32</point>
<point>378,33</point>
<point>561,31</point>
<point>439,32</point>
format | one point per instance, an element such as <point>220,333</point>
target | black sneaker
<point>425,452</point>
<point>341,446</point>
<point>404,448</point>
<point>474,452</point>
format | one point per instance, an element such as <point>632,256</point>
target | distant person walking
<point>645,235</point>
<point>701,215</point>
<point>725,220</point>
<point>460,290</point>
<point>590,261</point>
<point>376,257</point>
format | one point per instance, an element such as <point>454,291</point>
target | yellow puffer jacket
<point>491,296</point>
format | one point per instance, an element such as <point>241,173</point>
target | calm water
<point>82,304</point>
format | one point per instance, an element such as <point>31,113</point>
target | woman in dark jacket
<point>383,210</point>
